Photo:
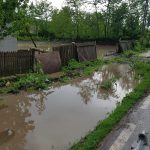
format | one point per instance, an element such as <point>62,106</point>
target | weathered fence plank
<point>12,63</point>
<point>78,51</point>
<point>125,45</point>
<point>86,51</point>
<point>67,52</point>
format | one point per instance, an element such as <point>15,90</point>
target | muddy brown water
<point>54,119</point>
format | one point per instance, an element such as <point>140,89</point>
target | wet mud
<point>54,119</point>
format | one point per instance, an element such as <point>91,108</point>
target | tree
<point>145,9</point>
<point>41,13</point>
<point>9,11</point>
<point>75,6</point>
<point>95,4</point>
<point>61,24</point>
<point>118,19</point>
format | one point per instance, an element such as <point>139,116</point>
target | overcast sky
<point>56,3</point>
<point>59,3</point>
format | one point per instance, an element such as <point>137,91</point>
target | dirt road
<point>126,133</point>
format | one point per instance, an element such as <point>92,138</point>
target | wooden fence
<point>86,51</point>
<point>20,62</point>
<point>67,52</point>
<point>78,51</point>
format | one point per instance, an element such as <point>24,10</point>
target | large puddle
<point>56,118</point>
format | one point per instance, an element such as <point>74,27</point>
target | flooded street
<point>54,119</point>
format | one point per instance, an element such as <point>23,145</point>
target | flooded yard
<point>54,119</point>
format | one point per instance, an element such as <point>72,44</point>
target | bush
<point>129,53</point>
<point>2,83</point>
<point>139,47</point>
<point>32,80</point>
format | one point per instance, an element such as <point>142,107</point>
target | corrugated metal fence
<point>20,62</point>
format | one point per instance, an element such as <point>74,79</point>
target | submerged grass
<point>105,126</point>
<point>108,84</point>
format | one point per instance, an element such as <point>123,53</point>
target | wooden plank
<point>85,44</point>
<point>86,51</point>
<point>12,63</point>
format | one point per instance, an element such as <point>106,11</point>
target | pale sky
<point>56,3</point>
<point>59,3</point>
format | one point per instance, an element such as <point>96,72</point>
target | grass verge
<point>105,126</point>
<point>30,81</point>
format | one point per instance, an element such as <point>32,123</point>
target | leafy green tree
<point>41,13</point>
<point>75,6</point>
<point>61,24</point>
<point>9,11</point>
<point>118,19</point>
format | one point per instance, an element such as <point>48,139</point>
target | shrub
<point>32,80</point>
<point>2,83</point>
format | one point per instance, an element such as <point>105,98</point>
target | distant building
<point>8,44</point>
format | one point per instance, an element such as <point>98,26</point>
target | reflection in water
<point>39,99</point>
<point>58,117</point>
<point>92,86</point>
<point>15,118</point>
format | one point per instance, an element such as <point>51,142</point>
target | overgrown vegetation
<point>34,81</point>
<point>75,68</point>
<point>105,126</point>
<point>108,84</point>
<point>2,83</point>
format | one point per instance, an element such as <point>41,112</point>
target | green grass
<point>75,68</point>
<point>2,83</point>
<point>33,80</point>
<point>105,126</point>
<point>108,84</point>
